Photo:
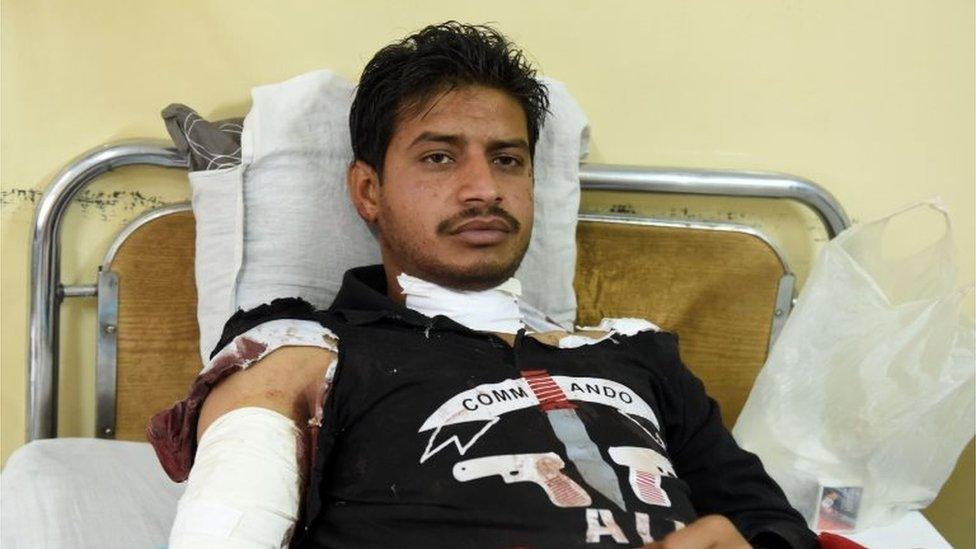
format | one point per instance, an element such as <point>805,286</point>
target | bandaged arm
<point>244,489</point>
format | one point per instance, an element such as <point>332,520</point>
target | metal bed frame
<point>47,292</point>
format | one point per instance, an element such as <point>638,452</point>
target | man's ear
<point>363,184</point>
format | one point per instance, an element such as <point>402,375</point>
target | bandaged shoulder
<point>172,432</point>
<point>263,339</point>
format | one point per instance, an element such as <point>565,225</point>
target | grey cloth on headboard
<point>207,145</point>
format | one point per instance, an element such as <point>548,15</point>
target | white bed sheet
<point>912,531</point>
<point>84,492</point>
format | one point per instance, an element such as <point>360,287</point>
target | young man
<point>434,419</point>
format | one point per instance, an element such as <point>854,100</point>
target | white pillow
<point>218,208</point>
<point>547,271</point>
<point>301,231</point>
<point>282,225</point>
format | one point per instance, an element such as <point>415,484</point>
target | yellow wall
<point>872,99</point>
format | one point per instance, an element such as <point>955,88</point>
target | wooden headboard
<point>716,287</point>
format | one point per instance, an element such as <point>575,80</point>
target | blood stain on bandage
<point>248,349</point>
<point>244,352</point>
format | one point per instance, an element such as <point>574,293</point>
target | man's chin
<point>470,278</point>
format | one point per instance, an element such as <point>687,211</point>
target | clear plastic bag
<point>867,398</point>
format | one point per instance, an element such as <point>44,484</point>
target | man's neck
<point>393,289</point>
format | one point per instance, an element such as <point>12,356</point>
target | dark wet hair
<point>405,76</point>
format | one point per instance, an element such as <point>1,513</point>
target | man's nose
<point>479,183</point>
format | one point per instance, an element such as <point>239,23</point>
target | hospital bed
<point>724,288</point>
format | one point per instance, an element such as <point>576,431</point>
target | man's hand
<point>711,532</point>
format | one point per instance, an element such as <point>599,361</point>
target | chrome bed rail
<point>608,177</point>
<point>47,291</point>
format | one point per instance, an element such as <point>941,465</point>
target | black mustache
<point>445,227</point>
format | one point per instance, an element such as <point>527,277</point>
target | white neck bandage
<point>493,310</point>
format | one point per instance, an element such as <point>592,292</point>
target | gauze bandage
<point>244,488</point>
<point>493,310</point>
<point>612,327</point>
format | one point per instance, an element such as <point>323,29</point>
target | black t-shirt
<point>435,435</point>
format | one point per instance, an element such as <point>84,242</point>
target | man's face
<point>455,203</point>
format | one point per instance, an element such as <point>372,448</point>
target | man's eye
<point>508,161</point>
<point>438,158</point>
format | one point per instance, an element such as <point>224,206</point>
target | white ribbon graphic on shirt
<point>488,402</point>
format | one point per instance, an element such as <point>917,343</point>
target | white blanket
<point>83,492</point>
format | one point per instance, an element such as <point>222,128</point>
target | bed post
<point>46,290</point>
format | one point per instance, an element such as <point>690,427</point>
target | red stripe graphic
<point>648,488</point>
<point>550,396</point>
<point>566,493</point>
